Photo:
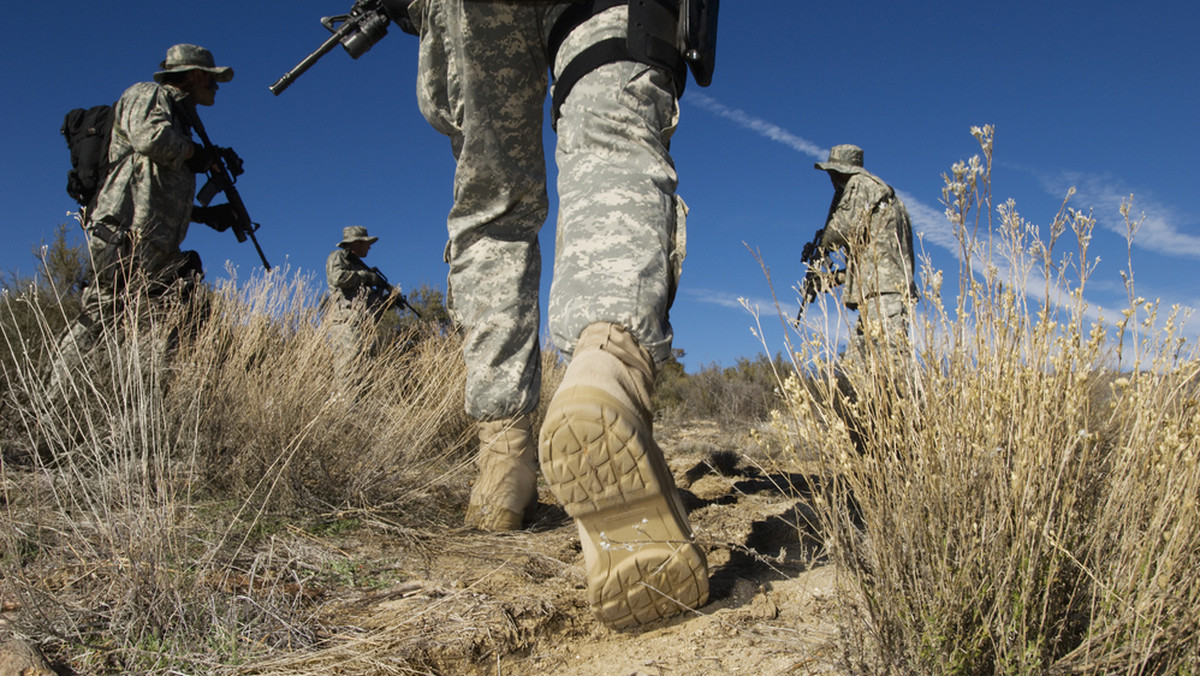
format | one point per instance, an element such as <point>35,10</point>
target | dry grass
<point>1024,501</point>
<point>1025,497</point>
<point>150,501</point>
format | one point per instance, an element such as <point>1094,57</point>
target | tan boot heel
<point>601,462</point>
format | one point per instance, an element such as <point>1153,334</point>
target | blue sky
<point>1102,96</point>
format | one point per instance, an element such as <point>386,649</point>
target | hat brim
<point>222,73</point>
<point>839,168</point>
<point>368,240</point>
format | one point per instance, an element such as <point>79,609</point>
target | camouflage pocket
<point>678,250</point>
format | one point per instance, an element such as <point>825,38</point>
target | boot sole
<point>623,498</point>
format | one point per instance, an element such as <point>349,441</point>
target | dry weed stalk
<point>1026,502</point>
<point>141,526</point>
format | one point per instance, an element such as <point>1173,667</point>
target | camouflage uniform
<point>354,290</point>
<point>148,190</point>
<point>144,207</point>
<point>870,224</point>
<point>482,81</point>
<point>619,244</point>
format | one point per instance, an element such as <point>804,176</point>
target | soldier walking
<point>869,224</point>
<point>357,296</point>
<point>142,211</point>
<point>482,82</point>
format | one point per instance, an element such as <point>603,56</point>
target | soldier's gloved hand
<point>232,162</point>
<point>220,217</point>
<point>202,158</point>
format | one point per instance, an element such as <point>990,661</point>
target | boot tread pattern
<point>597,464</point>
<point>660,581</point>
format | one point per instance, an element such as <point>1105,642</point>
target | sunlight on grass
<point>151,493</point>
<point>1024,498</point>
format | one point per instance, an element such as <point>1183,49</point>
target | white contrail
<point>928,222</point>
<point>1163,229</point>
<point>721,298</point>
<point>759,126</point>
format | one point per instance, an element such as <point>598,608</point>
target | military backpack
<point>88,131</point>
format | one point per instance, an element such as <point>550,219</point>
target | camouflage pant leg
<point>99,303</point>
<point>880,339</point>
<point>108,271</point>
<point>620,227</point>
<point>344,340</point>
<point>73,351</point>
<point>482,82</point>
<point>351,336</point>
<point>123,281</point>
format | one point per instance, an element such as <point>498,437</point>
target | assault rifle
<point>389,297</point>
<point>357,31</point>
<point>222,174</point>
<point>816,280</point>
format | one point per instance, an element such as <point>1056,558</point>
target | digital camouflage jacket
<point>871,225</point>
<point>149,190</point>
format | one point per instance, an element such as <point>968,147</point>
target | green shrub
<point>742,393</point>
<point>32,307</point>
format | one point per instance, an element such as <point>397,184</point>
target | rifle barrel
<point>289,77</point>
<point>261,256</point>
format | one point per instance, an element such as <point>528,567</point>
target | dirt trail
<point>514,603</point>
<point>464,602</point>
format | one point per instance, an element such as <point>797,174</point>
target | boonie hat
<point>185,57</point>
<point>356,233</point>
<point>843,159</point>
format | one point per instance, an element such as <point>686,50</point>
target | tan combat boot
<point>506,489</point>
<point>600,459</point>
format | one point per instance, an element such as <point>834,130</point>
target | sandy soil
<point>514,603</point>
<point>464,602</point>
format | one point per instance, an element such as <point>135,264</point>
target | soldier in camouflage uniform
<point>356,293</point>
<point>482,82</point>
<point>143,209</point>
<point>871,226</point>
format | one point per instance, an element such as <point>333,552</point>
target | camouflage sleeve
<point>341,272</point>
<point>149,121</point>
<point>850,216</point>
<point>839,225</point>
